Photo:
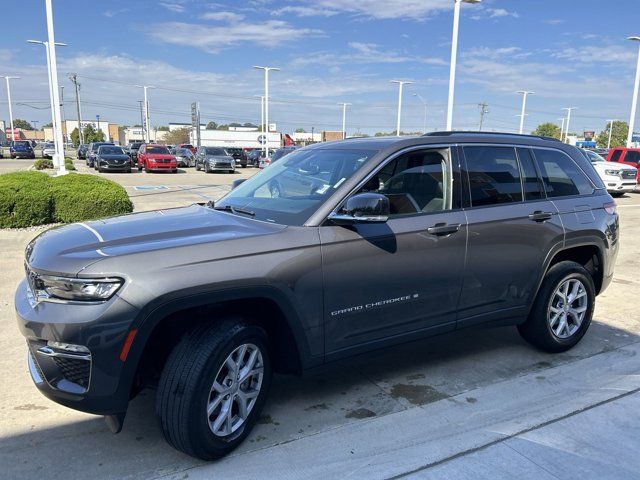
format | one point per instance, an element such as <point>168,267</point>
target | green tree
<point>163,128</point>
<point>176,137</point>
<point>547,130</point>
<point>300,130</point>
<point>212,126</point>
<point>91,135</point>
<point>23,124</point>
<point>47,125</point>
<point>618,135</point>
<point>75,137</point>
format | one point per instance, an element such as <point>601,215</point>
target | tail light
<point>610,208</point>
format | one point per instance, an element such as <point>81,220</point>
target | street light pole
<point>262,145</point>
<point>524,107</point>
<point>569,110</point>
<point>344,119</point>
<point>610,132</point>
<point>424,122</point>
<point>562,128</point>
<point>266,101</point>
<point>51,45</point>
<point>454,56</point>
<point>147,120</point>
<point>74,79</point>
<point>7,78</point>
<point>401,84</point>
<point>634,102</point>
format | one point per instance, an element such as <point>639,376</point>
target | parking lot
<point>474,404</point>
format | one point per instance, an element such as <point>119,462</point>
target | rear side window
<point>615,156</point>
<point>560,175</point>
<point>632,156</point>
<point>494,176</point>
<point>530,181</point>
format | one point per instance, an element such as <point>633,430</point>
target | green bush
<point>68,164</point>
<point>43,163</point>
<point>87,197</point>
<point>25,199</point>
<point>35,198</point>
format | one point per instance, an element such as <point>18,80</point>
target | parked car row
<point>617,167</point>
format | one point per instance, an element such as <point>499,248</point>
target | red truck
<point>628,156</point>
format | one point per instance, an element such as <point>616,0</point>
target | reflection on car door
<point>386,282</point>
<point>512,227</point>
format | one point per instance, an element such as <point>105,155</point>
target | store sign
<point>262,139</point>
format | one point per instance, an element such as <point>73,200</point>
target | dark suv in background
<point>338,248</point>
<point>21,149</point>
<point>239,155</point>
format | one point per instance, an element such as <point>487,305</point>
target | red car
<point>628,156</point>
<point>188,146</point>
<point>152,157</point>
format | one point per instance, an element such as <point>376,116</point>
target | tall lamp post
<point>524,94</point>
<point>344,119</point>
<point>147,120</point>
<point>562,119</point>
<point>424,103</point>
<point>7,79</point>
<point>401,84</point>
<point>266,100</point>
<point>51,47</point>
<point>454,57</point>
<point>634,102</point>
<point>566,132</point>
<point>262,129</point>
<point>610,132</point>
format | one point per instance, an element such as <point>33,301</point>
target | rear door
<point>512,228</point>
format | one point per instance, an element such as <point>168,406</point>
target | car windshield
<point>593,156</point>
<point>135,146</point>
<point>215,151</point>
<point>157,150</point>
<point>96,146</point>
<point>110,151</point>
<point>48,145</point>
<point>21,144</point>
<point>183,152</point>
<point>290,191</point>
<point>280,153</point>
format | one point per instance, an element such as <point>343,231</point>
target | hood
<point>613,166</point>
<point>115,156</point>
<point>72,248</point>
<point>160,156</point>
<point>225,158</point>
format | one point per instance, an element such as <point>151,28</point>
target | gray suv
<point>338,248</point>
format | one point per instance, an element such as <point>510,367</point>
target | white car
<point>48,150</point>
<point>618,178</point>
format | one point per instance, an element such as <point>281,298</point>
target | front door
<point>383,282</point>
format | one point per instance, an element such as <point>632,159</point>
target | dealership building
<point>240,137</point>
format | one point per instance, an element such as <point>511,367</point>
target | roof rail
<point>471,133</point>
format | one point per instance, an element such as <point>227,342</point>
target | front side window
<point>416,182</point>
<point>290,191</point>
<point>494,176</point>
<point>214,151</point>
<point>560,175</point>
<point>615,156</point>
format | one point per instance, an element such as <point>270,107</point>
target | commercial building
<point>110,130</point>
<point>306,137</point>
<point>241,137</point>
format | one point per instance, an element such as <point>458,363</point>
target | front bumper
<point>24,154</point>
<point>158,167</point>
<point>94,383</point>
<point>221,167</point>
<point>120,167</point>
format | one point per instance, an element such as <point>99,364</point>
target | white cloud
<point>302,11</point>
<point>375,9</point>
<point>222,16</point>
<point>495,53</point>
<point>614,54</point>
<point>553,21</point>
<point>213,38</point>
<point>173,7</point>
<point>501,12</point>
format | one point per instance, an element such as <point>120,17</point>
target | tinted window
<point>21,144</point>
<point>417,182</point>
<point>593,156</point>
<point>561,176</point>
<point>214,151</point>
<point>632,156</point>
<point>494,176</point>
<point>615,156</point>
<point>531,182</point>
<point>157,150</point>
<point>110,151</point>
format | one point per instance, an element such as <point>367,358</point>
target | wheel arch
<point>589,254</point>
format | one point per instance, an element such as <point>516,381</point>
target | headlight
<point>84,290</point>
<point>615,173</point>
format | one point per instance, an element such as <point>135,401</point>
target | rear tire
<point>206,167</point>
<point>196,379</point>
<point>561,316</point>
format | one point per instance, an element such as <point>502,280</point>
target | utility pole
<point>344,119</point>
<point>569,110</point>
<point>266,101</point>
<point>64,120</point>
<point>141,119</point>
<point>74,79</point>
<point>147,120</point>
<point>7,79</point>
<point>484,109</point>
<point>424,103</point>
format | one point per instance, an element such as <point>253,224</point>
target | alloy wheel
<point>567,308</point>
<point>235,390</point>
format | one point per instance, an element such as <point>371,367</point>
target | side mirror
<point>363,208</point>
<point>237,182</point>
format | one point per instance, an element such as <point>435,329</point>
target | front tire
<point>213,388</point>
<point>563,309</point>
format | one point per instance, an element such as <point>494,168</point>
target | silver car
<point>214,159</point>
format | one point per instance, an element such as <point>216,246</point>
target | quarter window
<point>530,181</point>
<point>561,176</point>
<point>417,182</point>
<point>494,176</point>
<point>632,156</point>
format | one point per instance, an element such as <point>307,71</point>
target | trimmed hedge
<point>35,198</point>
<point>25,199</point>
<point>87,197</point>
<point>43,164</point>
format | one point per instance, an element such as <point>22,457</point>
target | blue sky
<point>572,53</point>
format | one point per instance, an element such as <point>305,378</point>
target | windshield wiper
<point>235,210</point>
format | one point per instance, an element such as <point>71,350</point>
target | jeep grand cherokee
<point>336,249</point>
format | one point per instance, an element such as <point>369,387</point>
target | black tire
<point>197,165</point>
<point>537,330</point>
<point>128,170</point>
<point>185,384</point>
<point>206,167</point>
<point>617,194</point>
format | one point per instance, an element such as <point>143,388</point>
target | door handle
<point>441,229</point>
<point>539,216</point>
